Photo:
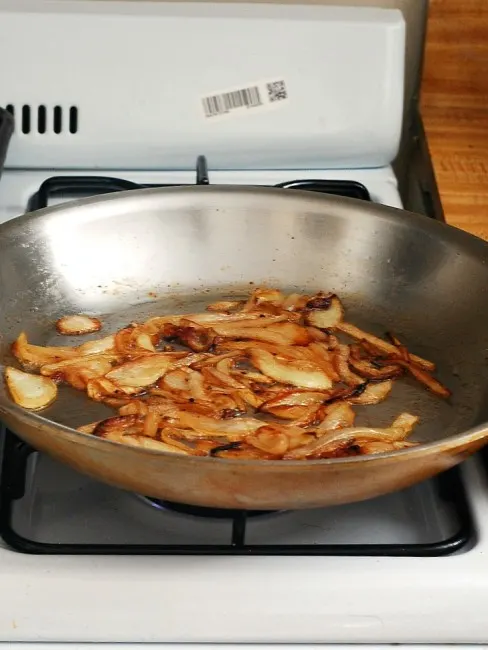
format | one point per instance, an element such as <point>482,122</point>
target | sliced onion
<point>32,392</point>
<point>100,388</point>
<point>338,416</point>
<point>382,447</point>
<point>95,365</point>
<point>134,341</point>
<point>213,359</point>
<point>144,341</point>
<point>406,422</point>
<point>293,398</point>
<point>35,356</point>
<point>141,372</point>
<point>269,440</point>
<point>98,346</point>
<point>78,324</point>
<point>264,298</point>
<point>358,334</point>
<point>205,425</point>
<point>341,363</point>
<point>303,374</point>
<point>367,369</point>
<point>328,318</point>
<point>238,329</point>
<point>134,407</point>
<point>88,428</point>
<point>176,380</point>
<point>295,302</point>
<point>373,393</point>
<point>427,380</point>
<point>323,357</point>
<point>196,386</point>
<point>154,325</point>
<point>331,441</point>
<point>193,335</point>
<point>151,424</point>
<point>138,440</point>
<point>224,306</point>
<point>280,334</point>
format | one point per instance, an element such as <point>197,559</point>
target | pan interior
<point>173,252</point>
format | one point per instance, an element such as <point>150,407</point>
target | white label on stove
<point>259,96</point>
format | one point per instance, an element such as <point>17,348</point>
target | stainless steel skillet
<point>136,254</point>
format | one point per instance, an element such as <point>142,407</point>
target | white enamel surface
<point>137,73</point>
<point>265,599</point>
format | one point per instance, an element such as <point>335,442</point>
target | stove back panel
<point>152,85</point>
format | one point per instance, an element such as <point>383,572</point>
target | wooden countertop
<point>455,109</point>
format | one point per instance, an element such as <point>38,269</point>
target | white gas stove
<point>108,96</point>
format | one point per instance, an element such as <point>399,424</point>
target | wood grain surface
<point>455,109</point>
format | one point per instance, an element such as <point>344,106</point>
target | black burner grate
<point>81,186</point>
<point>13,485</point>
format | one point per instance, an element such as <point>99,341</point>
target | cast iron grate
<point>79,186</point>
<point>16,454</point>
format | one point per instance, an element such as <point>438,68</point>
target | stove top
<point>29,189</point>
<point>59,527</point>
<point>48,508</point>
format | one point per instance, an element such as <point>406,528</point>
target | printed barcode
<point>277,91</point>
<point>226,102</point>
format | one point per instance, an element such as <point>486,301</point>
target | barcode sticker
<point>257,96</point>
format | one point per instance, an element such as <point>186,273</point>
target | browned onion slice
<point>427,380</point>
<point>32,392</point>
<point>303,374</point>
<point>329,317</point>
<point>373,393</point>
<point>141,372</point>
<point>98,346</point>
<point>225,306</point>
<point>370,371</point>
<point>331,441</point>
<point>380,344</point>
<point>35,356</point>
<point>78,324</point>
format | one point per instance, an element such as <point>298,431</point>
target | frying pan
<point>136,254</point>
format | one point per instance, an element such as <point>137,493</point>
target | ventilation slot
<point>43,120</point>
<point>58,119</point>
<point>73,119</point>
<point>26,118</point>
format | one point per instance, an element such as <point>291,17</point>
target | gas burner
<point>201,511</point>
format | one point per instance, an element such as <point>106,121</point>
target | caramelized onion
<point>32,392</point>
<point>303,374</point>
<point>141,372</point>
<point>78,324</point>
<point>328,317</point>
<point>35,356</point>
<point>268,377</point>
